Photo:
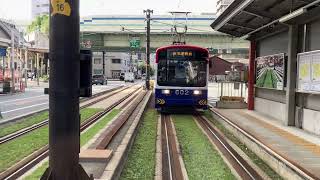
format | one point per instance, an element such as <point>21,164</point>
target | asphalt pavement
<point>34,100</point>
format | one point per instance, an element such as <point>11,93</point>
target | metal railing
<point>230,89</point>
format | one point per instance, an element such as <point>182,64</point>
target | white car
<point>129,77</point>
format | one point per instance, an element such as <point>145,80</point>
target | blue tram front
<point>182,73</point>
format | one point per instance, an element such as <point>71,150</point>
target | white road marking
<point>15,100</point>
<point>27,107</point>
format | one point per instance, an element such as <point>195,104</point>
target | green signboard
<point>135,43</point>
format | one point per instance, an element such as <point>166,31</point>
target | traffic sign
<point>135,43</point>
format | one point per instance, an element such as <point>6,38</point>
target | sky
<point>21,9</point>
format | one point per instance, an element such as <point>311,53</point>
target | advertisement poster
<point>309,71</point>
<point>270,71</point>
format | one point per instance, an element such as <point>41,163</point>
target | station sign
<point>3,52</point>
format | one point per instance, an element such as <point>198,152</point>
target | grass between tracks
<point>85,137</point>
<point>37,118</point>
<point>201,159</point>
<point>23,123</point>
<point>13,151</point>
<point>141,160</point>
<point>254,158</point>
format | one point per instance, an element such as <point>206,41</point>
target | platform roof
<point>252,19</point>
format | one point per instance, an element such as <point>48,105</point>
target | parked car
<point>121,76</point>
<point>99,79</point>
<point>129,77</point>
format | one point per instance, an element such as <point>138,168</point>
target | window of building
<point>97,71</point>
<point>97,61</point>
<point>116,61</point>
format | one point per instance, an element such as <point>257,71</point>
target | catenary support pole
<point>148,19</point>
<point>64,121</point>
<point>252,57</point>
<point>291,76</point>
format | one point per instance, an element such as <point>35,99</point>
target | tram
<point>181,77</point>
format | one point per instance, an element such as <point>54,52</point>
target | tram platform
<point>295,146</point>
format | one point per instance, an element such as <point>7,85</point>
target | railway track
<point>27,163</point>
<point>118,137</point>
<point>21,118</point>
<point>116,126</point>
<point>243,169</point>
<point>86,103</point>
<point>275,156</point>
<point>171,166</point>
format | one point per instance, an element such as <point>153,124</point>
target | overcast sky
<point>21,9</point>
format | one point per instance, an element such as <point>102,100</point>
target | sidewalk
<point>298,146</point>
<point>34,84</point>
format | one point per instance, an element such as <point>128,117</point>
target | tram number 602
<point>182,92</point>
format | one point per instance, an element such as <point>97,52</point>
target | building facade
<point>40,7</point>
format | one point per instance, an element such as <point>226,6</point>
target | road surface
<point>33,100</point>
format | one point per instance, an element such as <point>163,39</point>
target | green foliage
<point>41,23</point>
<point>142,68</point>
<point>13,151</point>
<point>45,78</point>
<point>26,122</point>
<point>85,137</point>
<point>254,158</point>
<point>201,159</point>
<point>141,160</point>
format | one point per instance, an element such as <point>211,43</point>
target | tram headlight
<point>166,91</point>
<point>197,92</point>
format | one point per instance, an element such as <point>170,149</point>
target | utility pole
<point>26,67</point>
<point>64,118</point>
<point>103,62</point>
<point>37,70</point>
<point>12,62</point>
<point>148,12</point>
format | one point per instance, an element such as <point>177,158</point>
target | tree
<point>142,68</point>
<point>41,23</point>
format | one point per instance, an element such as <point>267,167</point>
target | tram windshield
<point>182,73</point>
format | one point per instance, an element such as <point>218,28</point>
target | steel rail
<point>170,156</point>
<point>31,128</point>
<point>301,171</point>
<point>29,162</point>
<point>121,120</point>
<point>240,165</point>
<point>20,118</point>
